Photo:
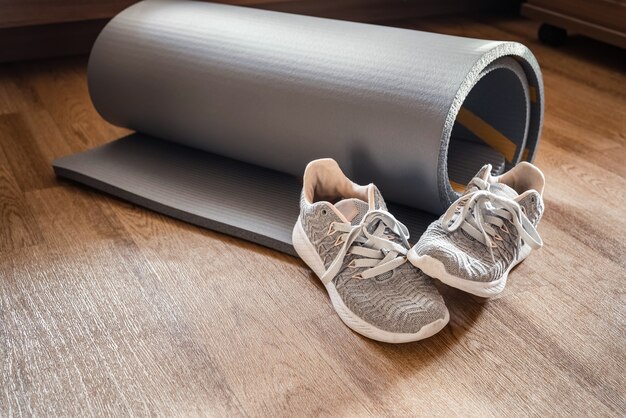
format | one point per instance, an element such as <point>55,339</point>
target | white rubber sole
<point>435,268</point>
<point>309,255</point>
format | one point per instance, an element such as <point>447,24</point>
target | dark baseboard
<point>45,41</point>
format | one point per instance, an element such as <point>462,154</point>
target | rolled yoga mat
<point>230,104</point>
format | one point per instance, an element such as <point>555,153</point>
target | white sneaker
<point>358,250</point>
<point>486,232</point>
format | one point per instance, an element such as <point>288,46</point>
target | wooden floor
<point>106,308</point>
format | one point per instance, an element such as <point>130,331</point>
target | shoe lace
<point>482,215</point>
<point>373,250</point>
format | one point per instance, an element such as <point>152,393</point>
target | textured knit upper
<point>465,257</point>
<point>402,300</point>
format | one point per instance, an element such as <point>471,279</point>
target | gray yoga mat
<point>231,103</point>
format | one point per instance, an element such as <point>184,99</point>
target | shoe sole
<point>309,255</point>
<point>436,269</point>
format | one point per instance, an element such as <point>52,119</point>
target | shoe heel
<point>306,250</point>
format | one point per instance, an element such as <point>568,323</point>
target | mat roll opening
<point>492,124</point>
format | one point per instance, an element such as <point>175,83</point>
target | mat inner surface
<point>491,126</point>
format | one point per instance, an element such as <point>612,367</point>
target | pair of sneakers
<point>379,285</point>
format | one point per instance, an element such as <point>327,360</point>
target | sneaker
<point>486,232</point>
<point>358,250</point>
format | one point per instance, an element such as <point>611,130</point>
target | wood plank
<point>67,215</point>
<point>17,224</point>
<point>128,351</point>
<point>29,166</point>
<point>12,98</point>
<point>67,101</point>
<point>586,364</point>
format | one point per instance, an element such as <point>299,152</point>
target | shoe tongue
<point>503,190</point>
<point>484,173</point>
<point>480,180</point>
<point>352,209</point>
<point>376,199</point>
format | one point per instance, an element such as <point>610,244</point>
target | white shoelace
<point>374,250</point>
<point>480,212</point>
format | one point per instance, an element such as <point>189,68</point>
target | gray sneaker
<point>486,232</point>
<point>358,250</point>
